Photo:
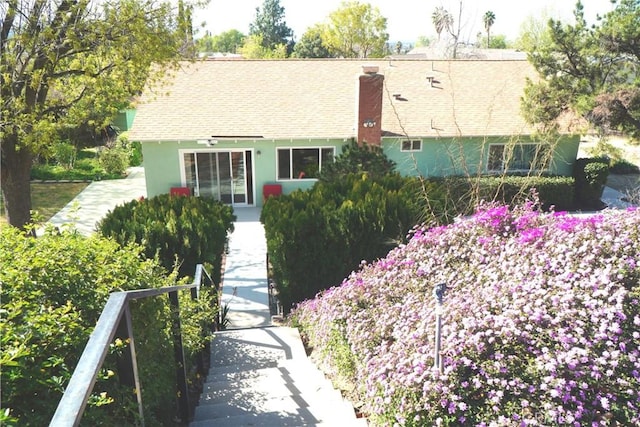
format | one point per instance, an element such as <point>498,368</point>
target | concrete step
<point>277,420</point>
<point>262,377</point>
<point>304,370</point>
<point>215,394</point>
<point>259,347</point>
<point>333,407</point>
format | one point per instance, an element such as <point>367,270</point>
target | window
<point>517,157</point>
<point>413,145</point>
<point>302,163</point>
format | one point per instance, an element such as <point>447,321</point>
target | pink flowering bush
<point>541,323</point>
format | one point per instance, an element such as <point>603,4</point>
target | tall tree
<point>184,30</point>
<point>357,30</point>
<point>534,32</point>
<point>312,45</point>
<point>271,26</point>
<point>488,19</point>
<point>253,48</point>
<point>62,61</point>
<point>226,42</point>
<point>591,70</point>
<point>442,20</point>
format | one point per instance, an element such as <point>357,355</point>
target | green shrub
<point>591,176</point>
<point>356,159</point>
<point>53,291</point>
<point>114,160</point>
<point>315,238</point>
<point>65,154</point>
<point>606,150</point>
<point>176,229</point>
<point>86,167</point>
<point>133,149</point>
<point>623,167</point>
<point>462,194</point>
<point>135,154</point>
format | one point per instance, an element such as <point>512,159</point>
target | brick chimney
<point>369,105</point>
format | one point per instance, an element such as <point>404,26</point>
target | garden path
<point>260,374</point>
<point>97,199</point>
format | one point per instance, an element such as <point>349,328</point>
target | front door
<point>222,175</point>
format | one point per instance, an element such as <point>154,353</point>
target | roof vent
<point>370,69</point>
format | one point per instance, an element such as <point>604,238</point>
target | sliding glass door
<point>222,175</point>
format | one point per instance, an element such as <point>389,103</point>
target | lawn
<point>49,198</point>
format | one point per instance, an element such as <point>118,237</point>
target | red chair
<point>180,191</point>
<point>269,190</point>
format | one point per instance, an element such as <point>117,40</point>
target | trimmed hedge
<point>182,231</point>
<point>316,237</point>
<point>464,193</point>
<point>591,176</point>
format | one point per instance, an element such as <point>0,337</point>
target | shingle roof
<point>300,99</point>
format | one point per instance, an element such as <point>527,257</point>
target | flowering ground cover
<point>541,323</point>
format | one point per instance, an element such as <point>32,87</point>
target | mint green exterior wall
<point>162,162</point>
<point>124,119</point>
<point>438,157</point>
<point>467,156</point>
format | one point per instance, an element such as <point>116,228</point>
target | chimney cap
<point>370,69</point>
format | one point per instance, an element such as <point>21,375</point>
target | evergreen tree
<point>271,26</point>
<point>590,70</point>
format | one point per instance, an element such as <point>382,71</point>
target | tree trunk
<point>16,182</point>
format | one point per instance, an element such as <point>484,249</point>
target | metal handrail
<point>116,311</point>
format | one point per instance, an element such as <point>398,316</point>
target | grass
<point>49,198</point>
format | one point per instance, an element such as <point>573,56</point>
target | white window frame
<point>291,166</point>
<point>412,142</point>
<point>540,148</point>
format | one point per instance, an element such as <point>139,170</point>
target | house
<point>237,129</point>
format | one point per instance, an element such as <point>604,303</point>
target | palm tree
<point>488,19</point>
<point>442,20</point>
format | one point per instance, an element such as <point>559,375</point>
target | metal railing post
<point>71,406</point>
<point>438,293</point>
<point>134,362</point>
<point>181,373</point>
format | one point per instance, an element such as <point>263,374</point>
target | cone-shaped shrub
<point>183,230</point>
<point>541,323</point>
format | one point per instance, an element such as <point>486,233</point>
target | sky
<point>406,19</point>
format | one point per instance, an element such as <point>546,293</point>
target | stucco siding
<point>436,158</point>
<point>163,162</point>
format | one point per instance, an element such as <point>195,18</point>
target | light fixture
<point>208,142</point>
<point>369,123</point>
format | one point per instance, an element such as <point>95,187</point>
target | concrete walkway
<point>97,199</point>
<point>245,287</point>
<point>614,199</point>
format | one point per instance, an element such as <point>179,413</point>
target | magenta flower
<point>541,323</point>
